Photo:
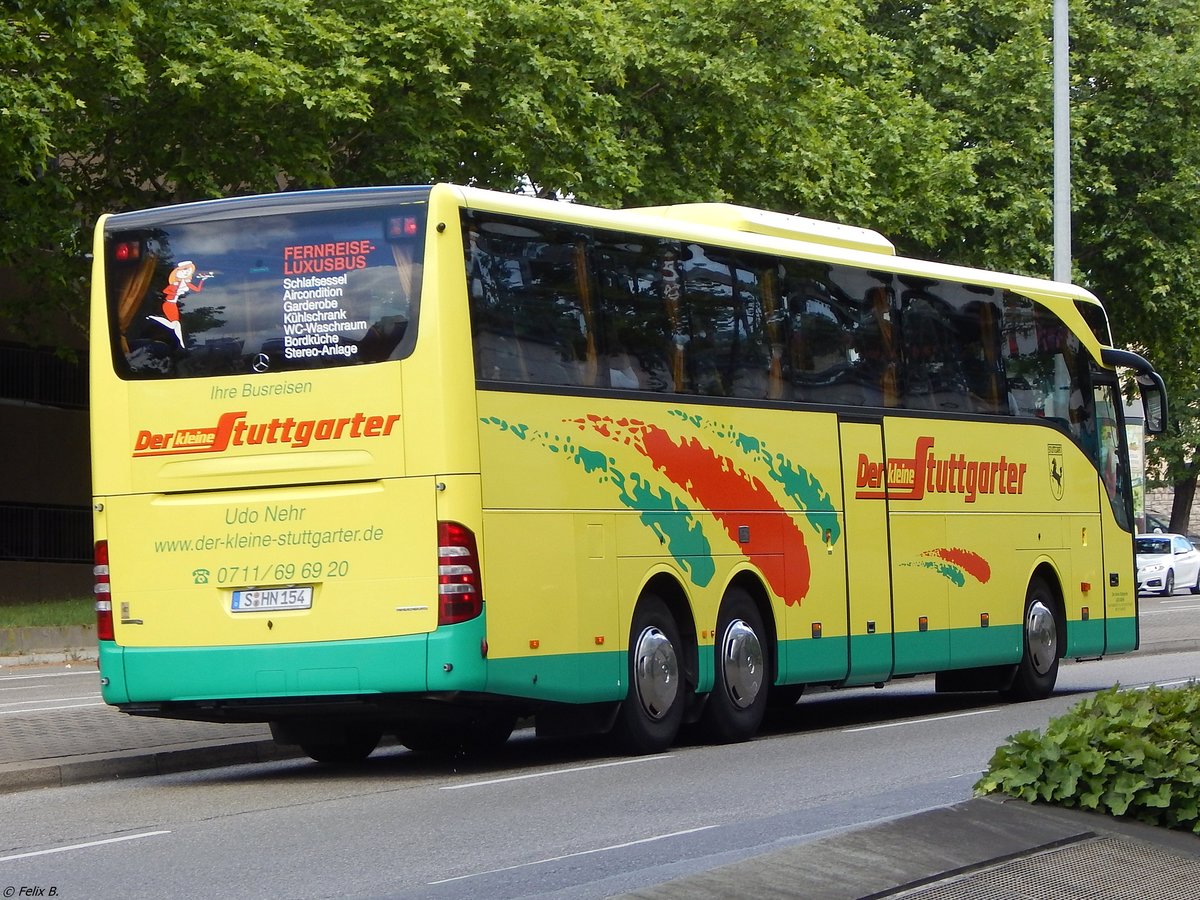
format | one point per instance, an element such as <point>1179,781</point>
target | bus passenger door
<point>868,551</point>
<point>1120,584</point>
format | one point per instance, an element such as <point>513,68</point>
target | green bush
<point>1128,753</point>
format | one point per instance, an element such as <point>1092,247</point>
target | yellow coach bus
<point>424,461</point>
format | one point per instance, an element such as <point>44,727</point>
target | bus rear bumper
<point>145,679</point>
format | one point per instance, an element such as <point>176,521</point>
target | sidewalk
<point>89,741</point>
<point>983,849</point>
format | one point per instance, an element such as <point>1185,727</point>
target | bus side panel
<point>550,591</point>
<point>985,616</point>
<point>868,551</point>
<point>693,493</point>
<point>968,501</point>
<point>1083,588</point>
<point>1119,586</point>
<point>921,604</point>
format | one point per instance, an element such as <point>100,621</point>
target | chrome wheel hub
<point>741,663</point>
<point>1042,635</point>
<point>655,672</point>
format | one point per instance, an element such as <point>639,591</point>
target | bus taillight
<point>460,591</point>
<point>104,617</point>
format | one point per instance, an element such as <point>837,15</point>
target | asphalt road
<point>543,818</point>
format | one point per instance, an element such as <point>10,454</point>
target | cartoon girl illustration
<point>179,285</point>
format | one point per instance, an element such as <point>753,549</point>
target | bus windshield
<point>274,292</point>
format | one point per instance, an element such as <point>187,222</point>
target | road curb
<point>16,777</point>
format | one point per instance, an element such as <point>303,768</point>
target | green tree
<point>144,102</point>
<point>1135,79</point>
<point>789,104</point>
<point>986,69</point>
<point>45,54</point>
<point>1135,88</point>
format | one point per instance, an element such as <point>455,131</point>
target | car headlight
<point>1151,569</point>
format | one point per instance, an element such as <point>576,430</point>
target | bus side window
<point>775,324</point>
<point>635,346</point>
<point>980,331</point>
<point>722,326</point>
<point>531,304</point>
<point>820,356</point>
<point>933,377</point>
<point>876,345</point>
<point>1043,364</point>
<point>753,360</point>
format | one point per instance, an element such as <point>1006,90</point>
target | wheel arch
<point>1050,576</point>
<point>668,589</point>
<point>754,587</point>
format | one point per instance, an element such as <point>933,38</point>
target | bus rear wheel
<point>1041,646</point>
<point>738,701</point>
<point>476,735</point>
<point>342,746</point>
<point>651,713</point>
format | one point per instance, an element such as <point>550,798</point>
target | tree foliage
<point>930,121</point>
<point>1135,80</point>
<point>790,104</point>
<point>1139,186</point>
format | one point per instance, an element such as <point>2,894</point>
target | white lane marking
<point>550,859</point>
<point>7,678</point>
<point>51,700</point>
<point>116,840</point>
<point>17,712</point>
<point>622,762</point>
<point>974,712</point>
<point>1173,609</point>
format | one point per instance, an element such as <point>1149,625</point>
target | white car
<point>1165,561</point>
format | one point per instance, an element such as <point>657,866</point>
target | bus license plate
<point>272,599</point>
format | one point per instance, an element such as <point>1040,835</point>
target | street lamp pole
<point>1062,144</point>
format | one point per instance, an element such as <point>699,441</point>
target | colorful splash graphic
<point>955,564</point>
<point>701,476</point>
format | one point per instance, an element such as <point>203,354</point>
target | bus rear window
<point>250,294</point>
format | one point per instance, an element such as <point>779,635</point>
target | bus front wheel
<point>652,711</point>
<point>735,707</point>
<point>1038,669</point>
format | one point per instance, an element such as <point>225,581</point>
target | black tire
<point>1169,585</point>
<point>1041,646</point>
<point>477,736</point>
<point>1195,588</point>
<point>741,683</point>
<point>342,746</point>
<point>650,715</point>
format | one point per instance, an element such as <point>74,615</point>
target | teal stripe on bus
<point>450,659</point>
<point>561,677</point>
